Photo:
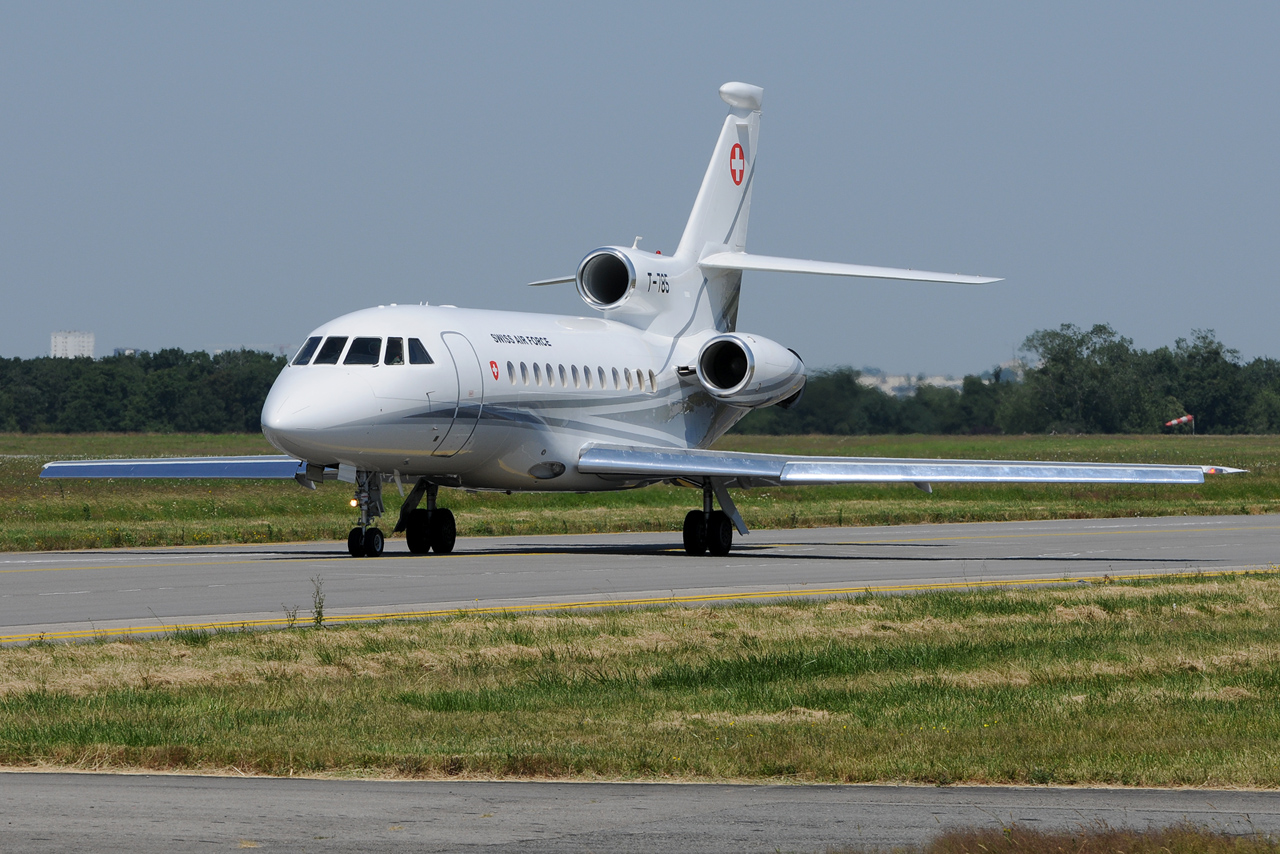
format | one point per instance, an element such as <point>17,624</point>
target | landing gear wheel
<point>719,533</point>
<point>444,533</point>
<point>417,531</point>
<point>695,533</point>
<point>355,542</point>
<point>373,543</point>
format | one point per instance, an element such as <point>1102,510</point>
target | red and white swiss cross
<point>737,163</point>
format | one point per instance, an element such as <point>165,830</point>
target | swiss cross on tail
<point>737,163</point>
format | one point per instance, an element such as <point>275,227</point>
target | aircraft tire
<point>695,533</point>
<point>355,542</point>
<point>417,531</point>
<point>444,531</point>
<point>373,543</point>
<point>719,533</point>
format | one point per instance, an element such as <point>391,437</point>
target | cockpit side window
<point>364,351</point>
<point>395,352</point>
<point>331,350</point>
<point>418,354</point>
<point>308,350</point>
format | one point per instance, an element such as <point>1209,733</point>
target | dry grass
<point>1171,682</point>
<point>1095,839</point>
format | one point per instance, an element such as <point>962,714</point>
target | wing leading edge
<point>749,470</point>
<point>267,466</point>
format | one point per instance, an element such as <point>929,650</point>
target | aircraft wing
<point>772,264</point>
<point>747,470</point>
<point>271,467</point>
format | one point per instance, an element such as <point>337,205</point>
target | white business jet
<point>632,395</point>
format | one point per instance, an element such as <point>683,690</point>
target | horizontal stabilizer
<point>773,264</point>
<point>270,467</point>
<point>776,470</point>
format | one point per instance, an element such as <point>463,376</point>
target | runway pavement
<point>142,814</point>
<point>68,595</point>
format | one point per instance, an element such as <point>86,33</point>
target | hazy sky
<point>215,175</point>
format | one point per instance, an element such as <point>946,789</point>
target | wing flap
<point>773,264</point>
<point>774,469</point>
<point>267,466</point>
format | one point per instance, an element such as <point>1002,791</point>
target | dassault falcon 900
<point>634,395</point>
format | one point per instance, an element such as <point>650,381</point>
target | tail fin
<point>719,216</point>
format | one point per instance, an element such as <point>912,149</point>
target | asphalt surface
<point>77,594</point>
<point>105,813</point>
<point>68,595</point>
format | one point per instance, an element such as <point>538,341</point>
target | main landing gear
<point>427,530</point>
<point>708,530</point>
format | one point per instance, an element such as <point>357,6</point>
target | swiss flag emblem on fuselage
<point>737,163</point>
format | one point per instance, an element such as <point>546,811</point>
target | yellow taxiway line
<point>277,622</point>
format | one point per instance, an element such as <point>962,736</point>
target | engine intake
<point>605,278</point>
<point>748,371</point>
<point>725,365</point>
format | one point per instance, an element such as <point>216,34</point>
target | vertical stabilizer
<point>719,216</point>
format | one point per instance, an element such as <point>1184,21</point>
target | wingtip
<point>1222,470</point>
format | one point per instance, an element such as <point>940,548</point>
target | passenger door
<point>470,394</point>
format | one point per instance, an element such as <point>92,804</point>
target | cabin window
<point>511,372</point>
<point>626,372</point>
<point>395,352</point>
<point>308,350</point>
<point>600,373</point>
<point>576,381</point>
<point>617,381</point>
<point>639,379</point>
<point>364,351</point>
<point>524,373</point>
<point>418,354</point>
<point>564,378</point>
<point>537,374</point>
<point>331,350</point>
<point>551,376</point>
<point>653,382</point>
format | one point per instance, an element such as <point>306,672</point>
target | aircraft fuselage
<point>506,402</point>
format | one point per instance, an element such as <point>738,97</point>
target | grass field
<point>83,514</point>
<point>1087,839</point>
<point>1168,683</point>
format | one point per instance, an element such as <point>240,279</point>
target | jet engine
<point>606,278</point>
<point>629,284</point>
<point>749,371</point>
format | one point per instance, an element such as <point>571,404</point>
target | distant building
<point>904,385</point>
<point>125,351</point>
<point>69,345</point>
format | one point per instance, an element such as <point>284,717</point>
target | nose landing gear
<point>708,530</point>
<point>364,540</point>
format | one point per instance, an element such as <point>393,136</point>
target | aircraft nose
<point>279,413</point>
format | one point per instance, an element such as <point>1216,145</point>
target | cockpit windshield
<point>418,354</point>
<point>364,351</point>
<point>331,350</point>
<point>307,351</point>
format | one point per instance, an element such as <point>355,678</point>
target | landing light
<point>354,503</point>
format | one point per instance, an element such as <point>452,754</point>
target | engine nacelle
<point>746,370</point>
<point>627,283</point>
<point>606,278</point>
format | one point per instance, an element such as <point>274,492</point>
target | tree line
<point>1077,381</point>
<point>163,392</point>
